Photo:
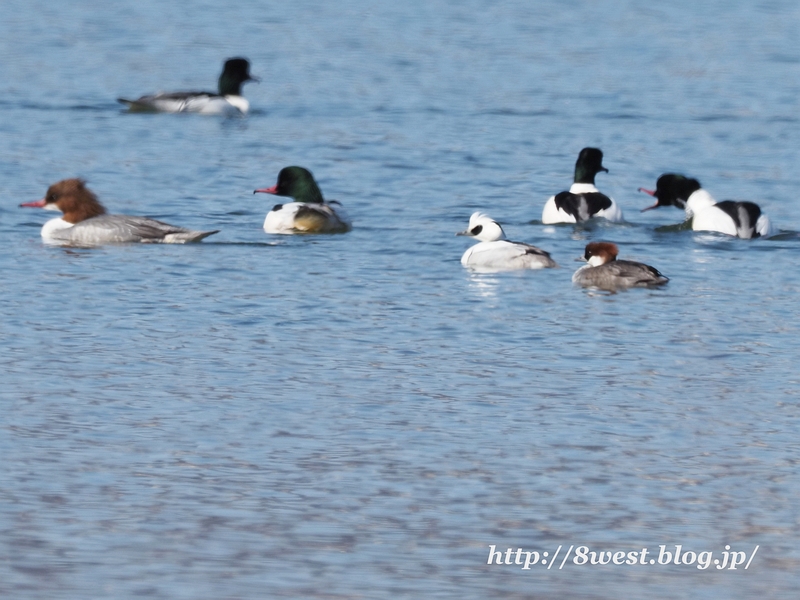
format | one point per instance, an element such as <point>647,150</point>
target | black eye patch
<point>476,230</point>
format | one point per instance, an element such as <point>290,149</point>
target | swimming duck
<point>309,213</point>
<point>85,222</point>
<point>736,218</point>
<point>604,271</point>
<point>228,100</point>
<point>495,252</point>
<point>583,201</point>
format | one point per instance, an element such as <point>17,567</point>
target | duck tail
<point>187,237</point>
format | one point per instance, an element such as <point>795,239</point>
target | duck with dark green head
<point>583,201</point>
<point>309,213</point>
<point>228,100</point>
<point>738,218</point>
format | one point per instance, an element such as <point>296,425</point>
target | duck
<point>85,223</point>
<point>605,272</point>
<point>495,252</point>
<point>583,201</point>
<point>228,100</point>
<point>740,219</point>
<point>309,213</point>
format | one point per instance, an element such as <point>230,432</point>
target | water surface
<point>357,416</point>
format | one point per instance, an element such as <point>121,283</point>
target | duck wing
<point>507,255</point>
<point>171,102</point>
<point>120,229</point>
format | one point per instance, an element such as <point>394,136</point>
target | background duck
<point>583,201</point>
<point>228,99</point>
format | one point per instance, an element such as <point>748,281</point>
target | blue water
<point>357,416</point>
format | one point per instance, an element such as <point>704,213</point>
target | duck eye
<point>52,197</point>
<point>477,229</point>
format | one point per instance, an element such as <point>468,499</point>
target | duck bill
<point>34,204</point>
<point>649,193</point>
<point>272,190</point>
<point>467,233</point>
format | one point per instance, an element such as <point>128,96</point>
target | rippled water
<point>357,416</point>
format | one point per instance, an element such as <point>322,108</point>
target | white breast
<point>284,220</point>
<point>53,230</point>
<point>699,201</point>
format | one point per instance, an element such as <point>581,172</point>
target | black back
<point>582,206</point>
<point>744,214</point>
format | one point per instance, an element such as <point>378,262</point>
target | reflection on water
<point>483,284</point>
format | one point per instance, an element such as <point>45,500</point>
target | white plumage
<point>495,253</point>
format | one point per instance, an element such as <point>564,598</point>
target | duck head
<point>484,228</point>
<point>297,183</point>
<point>71,197</point>
<point>234,74</point>
<point>600,253</point>
<point>589,164</point>
<point>672,189</point>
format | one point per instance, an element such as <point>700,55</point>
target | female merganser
<point>582,202</point>
<point>604,271</point>
<point>739,219</point>
<point>85,222</point>
<point>309,213</point>
<point>495,252</point>
<point>229,100</point>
